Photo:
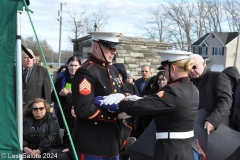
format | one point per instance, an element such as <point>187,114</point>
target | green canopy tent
<point>9,139</point>
<point>11,122</point>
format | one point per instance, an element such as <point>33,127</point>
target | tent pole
<point>19,97</point>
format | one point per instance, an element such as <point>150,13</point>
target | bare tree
<point>65,55</point>
<point>201,12</point>
<point>232,13</point>
<point>180,14</point>
<point>98,19</point>
<point>84,23</point>
<point>78,24</point>
<point>185,21</point>
<point>215,15</point>
<point>31,43</point>
<point>153,26</point>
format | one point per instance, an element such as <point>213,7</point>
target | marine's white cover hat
<point>108,39</point>
<point>172,56</point>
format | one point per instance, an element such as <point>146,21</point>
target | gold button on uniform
<point>115,90</point>
<point>119,86</point>
<point>108,117</point>
<point>115,118</point>
<point>104,86</point>
<point>110,76</point>
<point>113,83</point>
<point>103,64</point>
<point>95,122</point>
<point>102,116</point>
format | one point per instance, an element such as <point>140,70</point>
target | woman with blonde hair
<point>174,108</point>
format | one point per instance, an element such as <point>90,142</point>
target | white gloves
<point>123,115</point>
<point>114,98</point>
<point>133,98</point>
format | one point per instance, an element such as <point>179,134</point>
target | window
<point>215,51</point>
<point>204,51</point>
<point>196,51</point>
<point>218,51</point>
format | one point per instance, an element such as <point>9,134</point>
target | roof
<point>199,41</point>
<point>224,37</point>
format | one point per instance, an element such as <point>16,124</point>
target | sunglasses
<point>36,109</point>
<point>195,66</point>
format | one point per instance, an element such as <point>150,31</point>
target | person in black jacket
<point>234,76</point>
<point>215,94</point>
<point>63,88</point>
<point>36,82</point>
<point>40,130</point>
<point>153,86</point>
<point>123,75</point>
<point>98,134</point>
<point>133,91</point>
<point>174,108</point>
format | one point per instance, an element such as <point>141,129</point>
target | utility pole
<point>60,35</point>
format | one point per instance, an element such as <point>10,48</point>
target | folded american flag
<point>110,108</point>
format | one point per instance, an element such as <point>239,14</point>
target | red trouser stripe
<point>82,157</point>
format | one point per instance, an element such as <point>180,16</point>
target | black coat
<point>122,70</point>
<point>47,132</point>
<point>235,121</point>
<point>215,96</point>
<point>173,110</point>
<point>66,102</point>
<point>233,73</point>
<point>38,85</point>
<point>97,132</point>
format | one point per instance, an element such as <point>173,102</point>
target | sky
<point>124,15</point>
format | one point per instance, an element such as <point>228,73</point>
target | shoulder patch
<point>85,87</point>
<point>160,94</point>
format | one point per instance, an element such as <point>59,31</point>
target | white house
<point>218,50</point>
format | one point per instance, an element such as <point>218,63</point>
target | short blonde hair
<point>27,111</point>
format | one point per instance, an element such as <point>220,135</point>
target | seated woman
<point>40,130</point>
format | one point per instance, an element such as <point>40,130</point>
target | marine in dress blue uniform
<point>98,134</point>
